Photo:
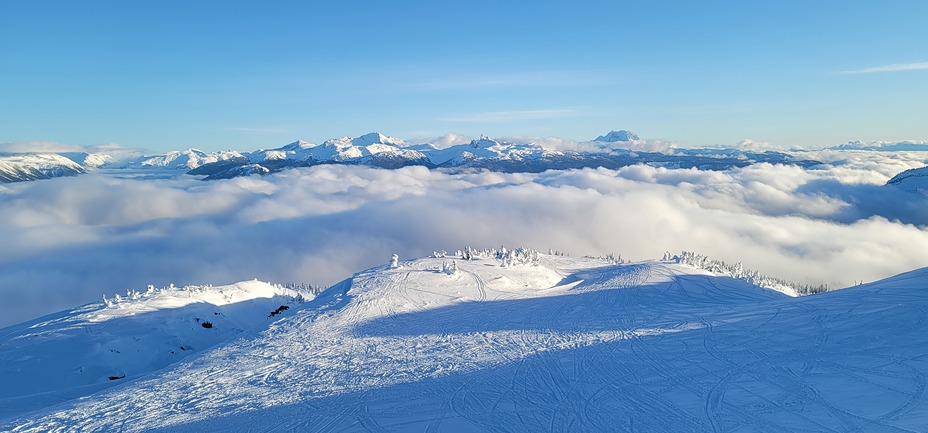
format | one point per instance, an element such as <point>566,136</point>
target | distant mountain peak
<point>483,142</point>
<point>375,138</point>
<point>620,135</point>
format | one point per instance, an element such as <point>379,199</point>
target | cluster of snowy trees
<point>507,257</point>
<point>470,253</point>
<point>518,256</point>
<point>303,288</point>
<point>610,258</point>
<point>738,272</point>
<point>171,290</point>
<point>133,295</point>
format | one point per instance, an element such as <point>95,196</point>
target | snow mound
<point>74,353</point>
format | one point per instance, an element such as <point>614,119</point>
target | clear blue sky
<point>241,75</point>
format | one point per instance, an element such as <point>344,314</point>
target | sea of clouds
<point>67,241</point>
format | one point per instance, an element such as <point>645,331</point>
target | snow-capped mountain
<point>509,341</point>
<point>374,149</point>
<point>914,180</point>
<point>26,167</point>
<point>378,150</point>
<point>186,159</point>
<point>491,154</point>
<point>621,135</point>
<point>381,151</point>
<point>89,160</point>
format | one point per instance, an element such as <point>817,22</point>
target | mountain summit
<point>621,135</point>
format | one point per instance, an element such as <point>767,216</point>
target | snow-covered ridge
<point>26,167</point>
<point>185,159</point>
<point>914,180</point>
<point>129,335</point>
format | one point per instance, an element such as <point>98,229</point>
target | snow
<point>614,136</point>
<point>77,352</point>
<point>485,149</point>
<point>185,159</point>
<point>381,151</point>
<point>914,180</point>
<point>26,167</point>
<point>548,343</point>
<point>343,150</point>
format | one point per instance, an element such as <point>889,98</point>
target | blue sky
<point>241,75</point>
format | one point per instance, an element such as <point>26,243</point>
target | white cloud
<point>69,240</point>
<point>897,67</point>
<point>117,151</point>
<point>561,144</point>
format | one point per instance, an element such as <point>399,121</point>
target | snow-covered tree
<point>450,268</point>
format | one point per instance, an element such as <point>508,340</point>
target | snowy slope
<point>914,180</point>
<point>26,167</point>
<point>74,353</point>
<point>573,344</point>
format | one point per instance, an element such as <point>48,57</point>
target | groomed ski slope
<point>573,344</point>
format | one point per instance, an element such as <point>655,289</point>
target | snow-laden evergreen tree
<point>518,256</point>
<point>395,261</point>
<point>450,268</point>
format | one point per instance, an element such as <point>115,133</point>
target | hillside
<point>568,344</point>
<point>77,352</point>
<point>27,167</point>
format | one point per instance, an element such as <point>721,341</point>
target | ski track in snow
<point>573,345</point>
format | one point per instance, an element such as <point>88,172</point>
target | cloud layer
<point>70,240</point>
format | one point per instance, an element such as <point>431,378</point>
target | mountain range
<point>612,150</point>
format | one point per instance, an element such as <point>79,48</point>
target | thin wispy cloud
<point>509,116</point>
<point>896,67</point>
<point>244,130</point>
